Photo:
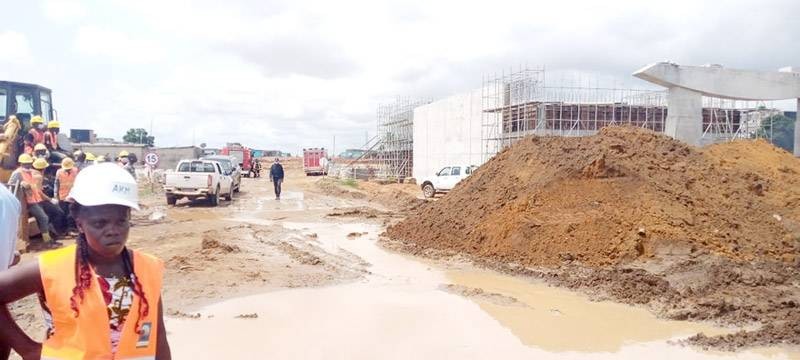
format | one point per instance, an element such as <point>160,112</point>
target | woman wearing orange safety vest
<point>103,299</point>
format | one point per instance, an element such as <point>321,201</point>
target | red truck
<point>315,161</point>
<point>242,154</point>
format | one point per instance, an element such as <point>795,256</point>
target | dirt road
<point>304,277</point>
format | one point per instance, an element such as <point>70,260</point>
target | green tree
<point>781,129</point>
<point>139,136</point>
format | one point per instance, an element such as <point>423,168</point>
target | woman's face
<point>106,228</point>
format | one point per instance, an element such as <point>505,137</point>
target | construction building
<point>472,127</point>
<point>394,148</point>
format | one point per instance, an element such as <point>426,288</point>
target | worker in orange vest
<point>37,129</point>
<point>51,135</point>
<point>29,177</point>
<point>65,178</point>
<point>104,299</point>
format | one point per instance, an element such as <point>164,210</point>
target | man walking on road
<point>276,176</point>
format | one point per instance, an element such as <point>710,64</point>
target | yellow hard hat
<point>100,159</point>
<point>39,146</point>
<point>37,120</point>
<point>25,159</point>
<point>90,157</point>
<point>67,163</point>
<point>54,124</point>
<point>123,153</point>
<point>40,164</point>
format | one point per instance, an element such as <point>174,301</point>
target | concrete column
<point>684,115</point>
<point>797,130</point>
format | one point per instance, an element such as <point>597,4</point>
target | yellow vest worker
<point>104,299</point>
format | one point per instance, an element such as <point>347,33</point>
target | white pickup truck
<point>194,179</point>
<point>445,179</point>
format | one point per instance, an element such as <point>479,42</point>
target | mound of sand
<point>622,195</point>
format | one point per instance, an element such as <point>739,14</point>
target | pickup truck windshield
<point>196,166</point>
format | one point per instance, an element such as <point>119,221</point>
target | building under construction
<point>520,103</point>
<point>394,153</point>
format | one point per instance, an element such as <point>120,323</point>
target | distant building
<point>169,157</point>
<point>82,136</point>
<point>110,151</point>
<point>102,140</point>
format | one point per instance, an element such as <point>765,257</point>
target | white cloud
<point>64,11</point>
<point>290,73</point>
<point>117,47</point>
<point>15,48</point>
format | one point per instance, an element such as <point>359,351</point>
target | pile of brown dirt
<point>211,242</point>
<point>621,195</point>
<point>637,217</point>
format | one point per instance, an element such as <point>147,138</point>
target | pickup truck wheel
<point>213,199</point>
<point>238,186</point>
<point>171,200</point>
<point>229,197</point>
<point>428,191</point>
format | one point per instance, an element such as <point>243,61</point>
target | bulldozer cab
<point>25,101</point>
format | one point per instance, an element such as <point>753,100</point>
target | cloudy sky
<point>278,74</point>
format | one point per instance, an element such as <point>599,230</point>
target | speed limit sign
<point>151,159</point>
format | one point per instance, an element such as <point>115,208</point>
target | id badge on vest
<point>144,335</point>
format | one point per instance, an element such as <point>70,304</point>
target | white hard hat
<point>105,184</point>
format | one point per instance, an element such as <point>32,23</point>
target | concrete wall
<point>111,150</point>
<point>168,157</point>
<point>447,132</point>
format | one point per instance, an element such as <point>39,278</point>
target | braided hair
<point>83,275</point>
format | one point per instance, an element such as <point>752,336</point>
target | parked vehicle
<point>195,179</point>
<point>315,161</point>
<point>445,180</point>
<point>242,154</point>
<point>230,167</point>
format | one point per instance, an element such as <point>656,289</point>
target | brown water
<point>400,311</point>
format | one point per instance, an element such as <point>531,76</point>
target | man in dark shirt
<point>276,176</point>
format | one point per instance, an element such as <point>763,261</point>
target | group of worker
<point>41,141</point>
<point>100,299</point>
<point>54,213</point>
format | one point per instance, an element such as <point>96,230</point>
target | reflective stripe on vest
<point>65,180</point>
<point>88,336</point>
<point>34,179</point>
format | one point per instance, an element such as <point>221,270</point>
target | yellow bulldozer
<point>22,101</point>
<point>19,102</point>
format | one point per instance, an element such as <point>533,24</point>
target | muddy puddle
<point>406,309</point>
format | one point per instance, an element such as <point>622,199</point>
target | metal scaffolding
<point>396,134</point>
<point>521,103</point>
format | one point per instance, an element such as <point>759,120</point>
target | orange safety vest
<point>51,140</point>
<point>88,336</point>
<point>34,179</point>
<point>38,137</point>
<point>66,178</point>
